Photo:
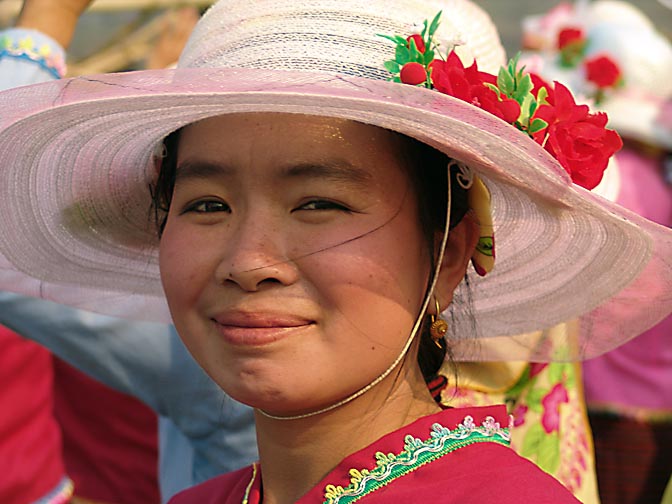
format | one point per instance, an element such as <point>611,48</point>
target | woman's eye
<point>323,205</point>
<point>208,206</point>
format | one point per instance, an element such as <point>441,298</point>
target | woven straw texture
<point>77,162</point>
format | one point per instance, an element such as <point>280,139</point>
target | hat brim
<point>77,162</point>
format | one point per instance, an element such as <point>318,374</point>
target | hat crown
<point>643,54</point>
<point>619,13</point>
<point>333,36</point>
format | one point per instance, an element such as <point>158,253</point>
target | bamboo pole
<point>128,48</point>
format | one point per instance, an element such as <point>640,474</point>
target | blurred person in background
<point>63,436</point>
<point>31,462</point>
<point>110,445</point>
<point>611,53</point>
<point>202,431</point>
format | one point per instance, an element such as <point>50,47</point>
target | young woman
<point>316,220</point>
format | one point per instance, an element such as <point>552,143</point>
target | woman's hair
<point>427,172</point>
<point>162,190</point>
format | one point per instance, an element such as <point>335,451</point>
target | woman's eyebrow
<point>337,171</point>
<point>195,169</point>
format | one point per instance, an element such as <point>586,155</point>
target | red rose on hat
<point>577,138</point>
<point>497,104</point>
<point>603,71</point>
<point>469,84</point>
<point>452,78</point>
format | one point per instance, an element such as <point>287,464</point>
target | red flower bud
<point>602,71</point>
<point>419,42</point>
<point>570,36</point>
<point>413,73</point>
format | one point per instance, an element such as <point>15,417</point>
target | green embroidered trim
<point>26,48</point>
<point>415,454</point>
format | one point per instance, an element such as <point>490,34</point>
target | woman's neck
<point>296,454</point>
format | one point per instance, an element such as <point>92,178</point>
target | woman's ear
<point>462,240</point>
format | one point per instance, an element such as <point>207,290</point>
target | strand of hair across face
<point>407,345</point>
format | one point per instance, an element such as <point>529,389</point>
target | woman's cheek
<point>182,266</point>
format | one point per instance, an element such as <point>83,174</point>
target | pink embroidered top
<point>454,456</point>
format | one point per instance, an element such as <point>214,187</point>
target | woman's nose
<point>257,257</point>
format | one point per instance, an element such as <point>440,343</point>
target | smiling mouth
<point>259,330</point>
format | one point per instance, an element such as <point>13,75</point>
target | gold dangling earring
<point>439,327</point>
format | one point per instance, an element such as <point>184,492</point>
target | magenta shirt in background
<point>30,439</point>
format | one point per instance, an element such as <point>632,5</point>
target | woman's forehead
<point>285,140</point>
<point>299,126</point>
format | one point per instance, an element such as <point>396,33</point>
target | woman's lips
<point>256,329</point>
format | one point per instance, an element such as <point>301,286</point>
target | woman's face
<point>293,258</point>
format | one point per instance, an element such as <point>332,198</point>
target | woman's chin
<point>267,395</point>
<point>276,401</point>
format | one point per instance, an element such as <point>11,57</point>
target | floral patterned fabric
<point>550,422</point>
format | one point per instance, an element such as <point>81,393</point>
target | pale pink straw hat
<point>77,162</point>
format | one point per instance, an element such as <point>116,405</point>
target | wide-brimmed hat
<point>78,159</point>
<point>640,98</point>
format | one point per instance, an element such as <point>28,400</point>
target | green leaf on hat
<point>402,55</point>
<point>414,53</point>
<point>394,38</point>
<point>533,107</point>
<point>505,81</point>
<point>434,24</point>
<point>538,125</point>
<point>527,107</point>
<point>392,66</point>
<point>524,86</point>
